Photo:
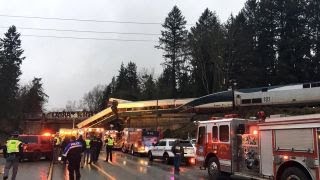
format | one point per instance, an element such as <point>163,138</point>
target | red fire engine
<point>274,148</point>
<point>138,140</point>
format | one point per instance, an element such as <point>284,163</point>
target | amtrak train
<point>286,95</point>
<point>305,94</point>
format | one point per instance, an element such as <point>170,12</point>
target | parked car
<point>193,142</point>
<point>36,147</point>
<point>189,152</point>
<point>162,150</point>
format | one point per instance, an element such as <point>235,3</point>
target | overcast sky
<point>71,67</point>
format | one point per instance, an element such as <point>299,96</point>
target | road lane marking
<point>49,177</point>
<point>103,172</point>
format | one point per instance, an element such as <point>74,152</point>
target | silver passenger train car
<point>295,94</point>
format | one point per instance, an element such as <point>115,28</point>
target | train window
<point>224,133</point>
<point>215,134</point>
<point>306,85</point>
<point>264,89</point>
<point>257,100</point>
<point>246,101</point>
<point>201,135</point>
<point>315,85</point>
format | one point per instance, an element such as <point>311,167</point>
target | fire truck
<point>137,140</point>
<point>277,147</point>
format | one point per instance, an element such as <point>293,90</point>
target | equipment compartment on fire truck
<point>275,148</point>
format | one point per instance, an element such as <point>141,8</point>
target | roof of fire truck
<point>220,120</point>
<point>279,118</point>
<point>273,119</point>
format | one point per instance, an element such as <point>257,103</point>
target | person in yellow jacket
<point>87,151</point>
<point>109,146</point>
<point>56,148</point>
<point>12,152</point>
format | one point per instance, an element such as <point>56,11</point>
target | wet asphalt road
<point>123,167</point>
<point>128,167</point>
<point>29,170</point>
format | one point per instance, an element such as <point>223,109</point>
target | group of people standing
<point>79,152</point>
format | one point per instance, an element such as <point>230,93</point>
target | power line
<point>87,38</point>
<point>81,20</point>
<point>87,31</point>
<point>84,20</point>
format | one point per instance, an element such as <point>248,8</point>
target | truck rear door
<point>201,143</point>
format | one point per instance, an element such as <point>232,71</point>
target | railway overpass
<point>36,123</point>
<point>156,114</point>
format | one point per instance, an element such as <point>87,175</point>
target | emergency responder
<point>72,152</point>
<point>64,144</point>
<point>87,151</point>
<point>56,148</point>
<point>99,147</point>
<point>93,149</point>
<point>178,152</point>
<point>12,152</point>
<point>80,139</point>
<point>109,145</point>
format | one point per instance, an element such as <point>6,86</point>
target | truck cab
<point>36,146</point>
<point>277,148</point>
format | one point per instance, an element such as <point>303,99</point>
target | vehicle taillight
<point>192,161</point>
<point>25,148</point>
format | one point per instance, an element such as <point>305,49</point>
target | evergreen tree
<point>35,97</point>
<point>293,41</point>
<point>266,51</point>
<point>10,61</point>
<point>173,43</point>
<point>186,85</point>
<point>105,97</point>
<point>163,85</point>
<point>113,85</point>
<point>127,83</point>
<point>133,81</point>
<point>314,24</point>
<point>121,83</point>
<point>206,43</point>
<point>242,67</point>
<point>148,87</point>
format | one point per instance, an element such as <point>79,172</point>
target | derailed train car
<point>289,95</point>
<point>305,94</point>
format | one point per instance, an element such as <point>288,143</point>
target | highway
<point>124,166</point>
